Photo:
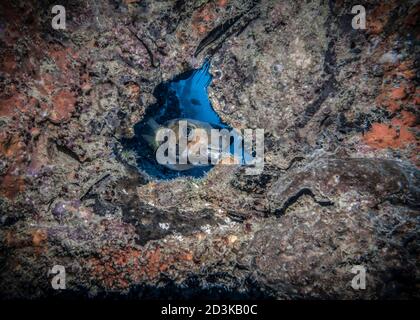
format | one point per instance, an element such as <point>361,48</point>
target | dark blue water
<point>185,96</point>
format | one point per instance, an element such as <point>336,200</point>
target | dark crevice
<point>68,152</point>
<point>237,216</point>
<point>147,46</point>
<point>292,162</point>
<point>330,85</point>
<point>152,223</point>
<point>211,286</point>
<point>293,199</point>
<point>225,30</point>
<point>237,29</point>
<point>216,33</point>
<point>246,23</point>
<point>88,192</point>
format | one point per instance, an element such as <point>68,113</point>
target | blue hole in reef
<point>183,97</point>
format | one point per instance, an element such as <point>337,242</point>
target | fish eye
<point>218,74</point>
<point>189,130</point>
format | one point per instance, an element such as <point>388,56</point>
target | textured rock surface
<point>340,185</point>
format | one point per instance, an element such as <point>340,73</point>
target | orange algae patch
<point>388,136</point>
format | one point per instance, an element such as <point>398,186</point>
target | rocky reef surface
<point>341,181</point>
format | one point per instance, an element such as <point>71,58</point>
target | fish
<point>216,152</point>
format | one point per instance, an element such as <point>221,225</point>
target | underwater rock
<point>349,184</point>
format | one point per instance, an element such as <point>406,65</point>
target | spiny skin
<point>193,136</point>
